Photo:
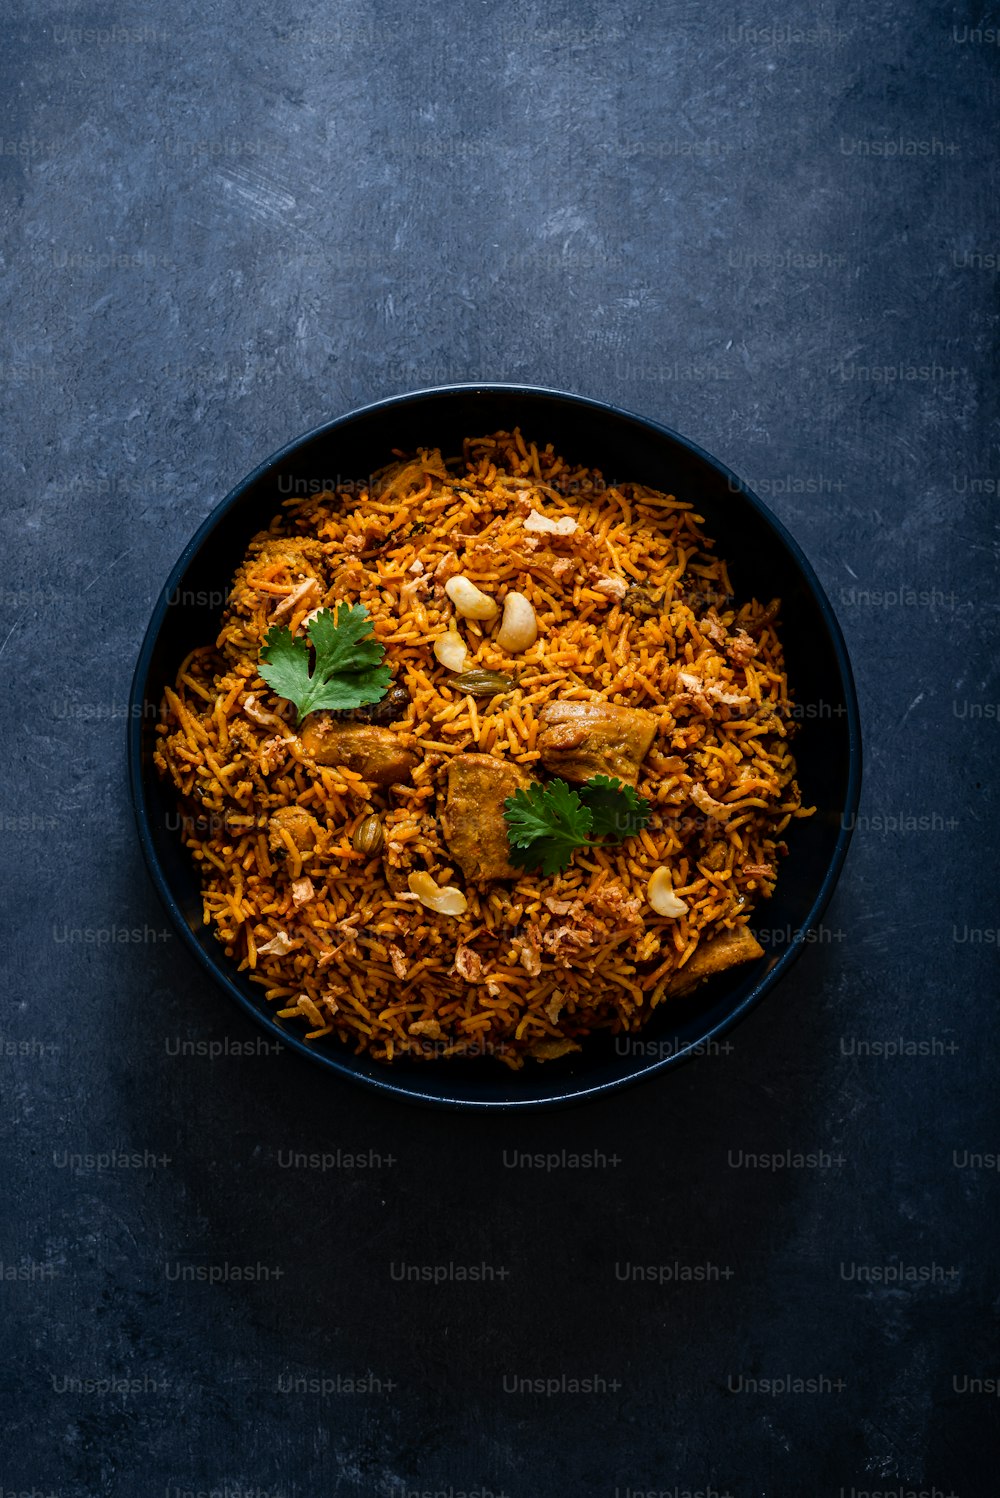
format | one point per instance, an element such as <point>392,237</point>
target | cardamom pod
<point>479,683</point>
<point>368,835</point>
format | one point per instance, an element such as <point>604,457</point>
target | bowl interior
<point>763,563</point>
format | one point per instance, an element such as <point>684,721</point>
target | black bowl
<point>764,562</point>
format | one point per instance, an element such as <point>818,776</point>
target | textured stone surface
<point>223,224</point>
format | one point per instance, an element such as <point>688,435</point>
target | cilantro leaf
<point>345,642</point>
<point>618,810</point>
<point>545,824</point>
<point>347,672</point>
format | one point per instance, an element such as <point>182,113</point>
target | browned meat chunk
<point>373,753</point>
<point>300,826</point>
<point>581,739</point>
<point>472,820</point>
<point>717,857</point>
<point>715,956</point>
<point>296,552</point>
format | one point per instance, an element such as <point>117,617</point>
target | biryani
<point>485,758</point>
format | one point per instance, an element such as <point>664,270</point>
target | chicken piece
<point>716,859</point>
<point>581,739</point>
<point>715,956</point>
<point>472,820</point>
<point>373,753</point>
<point>296,552</point>
<point>301,827</point>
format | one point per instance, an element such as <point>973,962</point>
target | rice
<point>634,608</point>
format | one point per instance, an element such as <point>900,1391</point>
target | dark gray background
<point>225,223</point>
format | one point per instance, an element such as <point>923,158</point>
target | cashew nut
<point>443,901</point>
<point>661,895</point>
<point>468,600</point>
<point>519,628</point>
<point>451,650</point>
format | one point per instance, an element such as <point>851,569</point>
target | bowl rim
<point>340,1062</point>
